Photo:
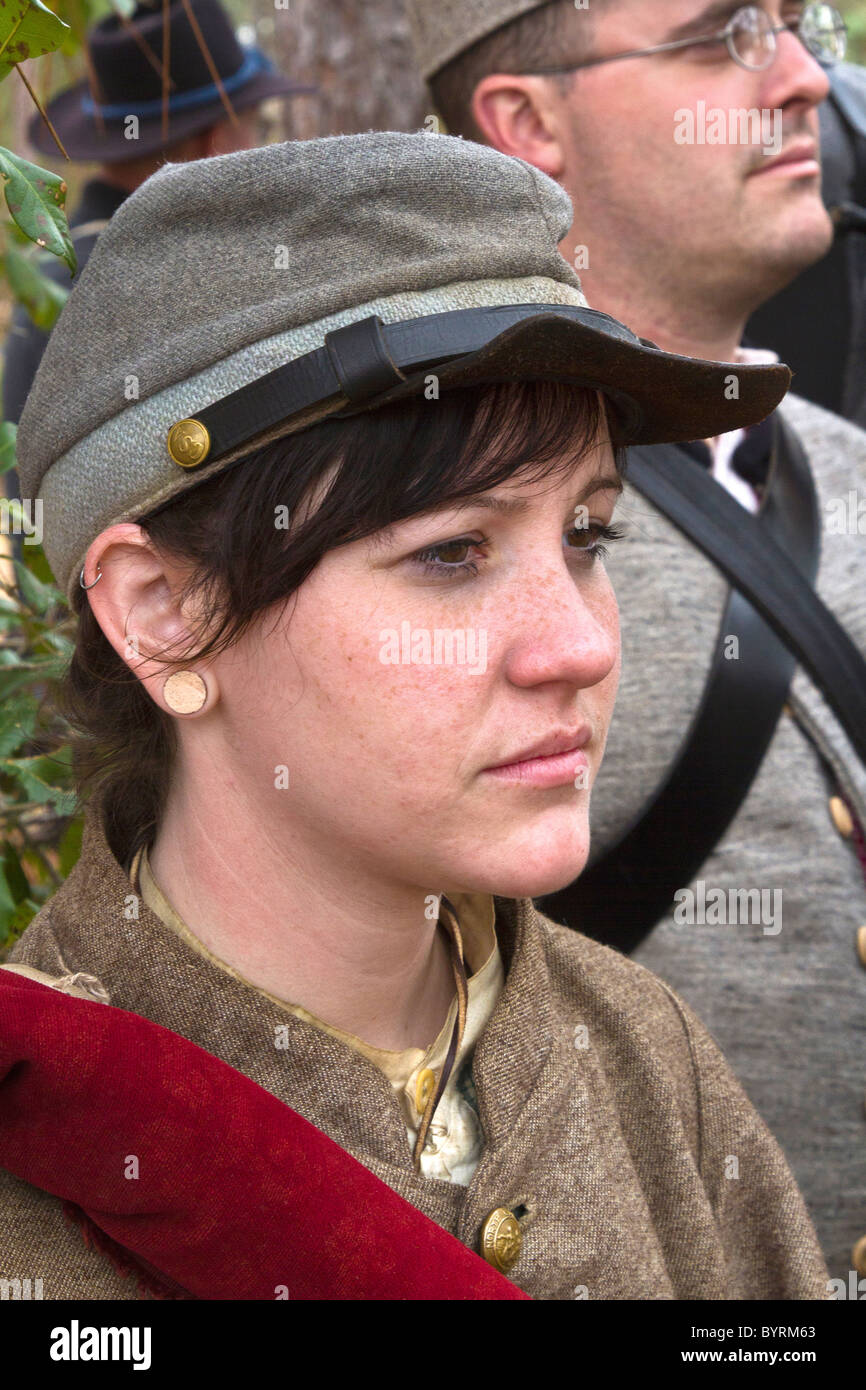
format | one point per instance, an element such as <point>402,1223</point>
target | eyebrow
<point>503,506</point>
<point>517,506</point>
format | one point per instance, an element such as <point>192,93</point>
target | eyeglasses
<point>750,35</point>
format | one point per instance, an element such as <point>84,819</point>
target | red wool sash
<point>237,1196</point>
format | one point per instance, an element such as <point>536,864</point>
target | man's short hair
<point>554,33</point>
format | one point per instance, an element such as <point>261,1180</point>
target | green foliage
<point>41,297</point>
<point>40,832</point>
<point>28,29</point>
<point>36,199</point>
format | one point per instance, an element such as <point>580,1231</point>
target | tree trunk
<point>361,58</point>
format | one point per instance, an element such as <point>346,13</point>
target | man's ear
<point>137,603</point>
<point>516,115</point>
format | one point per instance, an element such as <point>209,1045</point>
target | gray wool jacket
<point>613,1127</point>
<point>787,1007</point>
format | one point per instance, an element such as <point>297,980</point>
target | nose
<point>794,75</point>
<point>564,630</point>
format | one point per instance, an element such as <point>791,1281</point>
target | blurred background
<point>358,55</point>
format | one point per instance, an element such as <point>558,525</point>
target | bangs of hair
<point>345,479</point>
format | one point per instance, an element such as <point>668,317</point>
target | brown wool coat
<point>620,1150</point>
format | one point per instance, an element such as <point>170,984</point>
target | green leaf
<point>17,722</point>
<point>28,772</point>
<point>13,924</point>
<point>36,199</point>
<point>8,436</point>
<point>38,565</point>
<point>14,679</point>
<point>27,31</point>
<point>69,849</point>
<point>7,899</point>
<point>38,596</point>
<point>41,297</point>
<point>16,878</point>
<point>59,641</point>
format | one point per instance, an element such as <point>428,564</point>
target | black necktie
<point>751,458</point>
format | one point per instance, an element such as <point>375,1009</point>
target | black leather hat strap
<point>620,898</point>
<point>365,358</point>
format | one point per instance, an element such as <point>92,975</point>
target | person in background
<point>727,772</point>
<point>123,132</point>
<point>818,322</point>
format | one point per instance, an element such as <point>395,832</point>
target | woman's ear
<point>517,116</point>
<point>137,602</point>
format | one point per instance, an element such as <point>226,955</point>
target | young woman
<point>329,445</point>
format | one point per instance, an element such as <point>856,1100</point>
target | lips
<point>798,153</point>
<point>563,741</point>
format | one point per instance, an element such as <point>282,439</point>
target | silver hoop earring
<point>94,581</point>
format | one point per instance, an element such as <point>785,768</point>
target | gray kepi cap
<point>442,29</point>
<point>234,300</point>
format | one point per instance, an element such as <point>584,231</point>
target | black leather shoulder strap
<point>754,562</point>
<point>621,897</point>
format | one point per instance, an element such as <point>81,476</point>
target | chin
<point>805,237</point>
<point>535,865</point>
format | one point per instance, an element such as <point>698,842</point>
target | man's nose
<point>795,74</point>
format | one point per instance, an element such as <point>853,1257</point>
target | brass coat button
<point>841,817</point>
<point>858,1255</point>
<point>188,443</point>
<point>501,1239</point>
<point>423,1087</point>
<point>861,944</point>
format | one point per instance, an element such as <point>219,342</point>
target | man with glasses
<point>818,322</point>
<point>687,219</point>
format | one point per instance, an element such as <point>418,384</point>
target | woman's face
<point>412,663</point>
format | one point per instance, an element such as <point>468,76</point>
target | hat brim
<point>657,397</point>
<point>84,139</point>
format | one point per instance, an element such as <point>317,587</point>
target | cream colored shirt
<point>455,1141</point>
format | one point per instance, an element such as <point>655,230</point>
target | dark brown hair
<point>551,35</point>
<point>374,470</point>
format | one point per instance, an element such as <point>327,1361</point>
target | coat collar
<point>100,925</point>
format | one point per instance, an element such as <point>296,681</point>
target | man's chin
<point>793,243</point>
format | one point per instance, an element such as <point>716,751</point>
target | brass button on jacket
<point>861,944</point>
<point>501,1239</point>
<point>841,817</point>
<point>423,1086</point>
<point>858,1255</point>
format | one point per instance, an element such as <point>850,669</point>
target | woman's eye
<point>450,559</point>
<point>594,539</point>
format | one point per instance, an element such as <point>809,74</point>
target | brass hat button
<point>501,1239</point>
<point>188,443</point>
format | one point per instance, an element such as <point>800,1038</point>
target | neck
<point>693,321</point>
<point>308,924</point>
<point>125,176</point>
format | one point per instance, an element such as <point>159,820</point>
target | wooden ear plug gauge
<point>185,692</point>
